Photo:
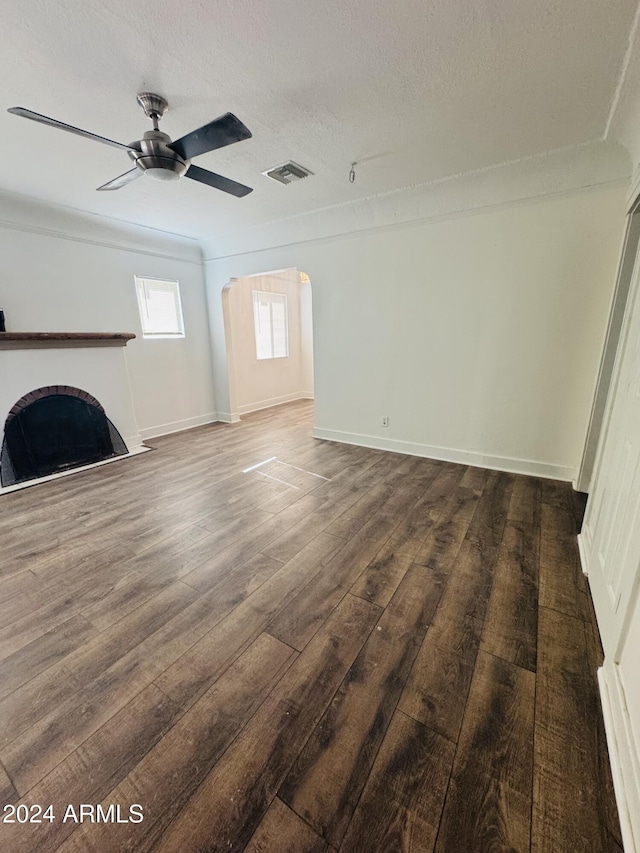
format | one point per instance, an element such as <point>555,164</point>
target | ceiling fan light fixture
<point>162,174</point>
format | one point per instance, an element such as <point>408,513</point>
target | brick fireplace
<point>65,402</point>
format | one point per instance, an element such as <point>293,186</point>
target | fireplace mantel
<point>43,340</point>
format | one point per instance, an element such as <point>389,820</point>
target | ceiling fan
<point>160,158</point>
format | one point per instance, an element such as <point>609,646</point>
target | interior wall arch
<point>257,383</point>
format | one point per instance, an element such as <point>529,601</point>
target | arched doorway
<point>269,340</point>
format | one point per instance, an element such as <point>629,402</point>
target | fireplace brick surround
<point>39,393</point>
<point>88,365</point>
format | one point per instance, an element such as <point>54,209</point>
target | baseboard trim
<point>623,757</point>
<point>582,552</point>
<point>274,401</point>
<point>179,426</point>
<point>228,417</point>
<point>447,454</point>
<point>134,441</point>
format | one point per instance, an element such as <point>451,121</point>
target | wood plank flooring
<point>340,650</point>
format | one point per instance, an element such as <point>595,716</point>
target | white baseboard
<point>583,551</point>
<point>134,441</point>
<point>447,454</point>
<point>274,401</point>
<point>623,755</point>
<point>178,426</point>
<point>228,417</point>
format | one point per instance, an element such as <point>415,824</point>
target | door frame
<point>598,419</point>
<point>613,643</point>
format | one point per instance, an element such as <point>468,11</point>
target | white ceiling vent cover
<point>287,173</point>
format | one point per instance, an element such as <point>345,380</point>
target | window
<point>270,318</point>
<point>160,308</point>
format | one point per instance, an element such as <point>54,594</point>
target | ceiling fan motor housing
<point>156,159</point>
<point>152,104</point>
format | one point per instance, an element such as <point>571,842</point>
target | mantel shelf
<point>46,340</point>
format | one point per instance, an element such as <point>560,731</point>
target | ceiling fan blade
<point>52,122</point>
<point>217,181</point>
<point>222,131</point>
<point>122,180</point>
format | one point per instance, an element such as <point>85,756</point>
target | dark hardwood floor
<point>343,649</point>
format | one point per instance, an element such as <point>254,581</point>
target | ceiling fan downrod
<point>153,106</point>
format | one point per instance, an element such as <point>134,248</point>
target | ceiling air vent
<point>287,173</point>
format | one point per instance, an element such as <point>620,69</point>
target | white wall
<point>63,272</point>
<point>258,384</point>
<point>306,339</point>
<point>478,335</point>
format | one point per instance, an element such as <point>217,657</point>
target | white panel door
<point>613,514</point>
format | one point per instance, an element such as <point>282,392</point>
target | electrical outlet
<point>384,420</point>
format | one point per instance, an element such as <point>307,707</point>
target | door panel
<point>612,540</point>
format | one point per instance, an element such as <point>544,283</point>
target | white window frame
<point>147,320</point>
<point>273,297</point>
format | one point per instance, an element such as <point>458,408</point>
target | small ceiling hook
<point>352,173</point>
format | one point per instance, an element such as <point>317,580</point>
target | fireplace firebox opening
<point>53,429</point>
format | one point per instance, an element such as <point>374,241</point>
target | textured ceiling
<point>414,90</point>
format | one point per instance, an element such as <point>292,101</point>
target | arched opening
<point>268,327</point>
